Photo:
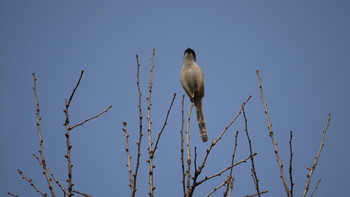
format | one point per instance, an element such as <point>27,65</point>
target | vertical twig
<point>253,170</point>
<point>279,162</point>
<point>67,134</point>
<point>41,141</point>
<point>127,150</point>
<point>182,146</point>
<point>140,124</point>
<point>229,186</point>
<point>150,143</point>
<point>291,163</point>
<point>313,192</point>
<point>195,158</point>
<point>313,167</point>
<point>188,171</point>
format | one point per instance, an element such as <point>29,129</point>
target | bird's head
<point>190,54</point>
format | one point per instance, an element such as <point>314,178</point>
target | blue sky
<point>301,49</point>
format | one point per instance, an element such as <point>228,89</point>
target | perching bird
<point>192,80</point>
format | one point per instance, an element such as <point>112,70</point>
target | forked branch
<point>230,179</point>
<point>41,141</point>
<point>313,167</point>
<point>316,187</point>
<point>213,143</point>
<point>67,134</point>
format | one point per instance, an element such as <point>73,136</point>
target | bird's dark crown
<point>191,51</point>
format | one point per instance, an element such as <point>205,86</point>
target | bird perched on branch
<point>192,80</point>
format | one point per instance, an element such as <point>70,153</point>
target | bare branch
<point>165,123</point>
<point>11,194</point>
<point>182,146</point>
<point>131,181</point>
<point>195,158</point>
<point>313,167</point>
<point>81,123</point>
<point>219,186</point>
<point>316,187</point>
<point>225,169</point>
<point>198,172</point>
<point>67,134</point>
<point>140,124</point>
<point>290,163</point>
<point>52,175</point>
<point>253,170</point>
<point>188,148</point>
<point>280,165</point>
<point>83,194</point>
<point>41,141</point>
<point>150,143</point>
<point>30,181</point>
<point>75,88</point>
<point>263,192</point>
<point>229,186</point>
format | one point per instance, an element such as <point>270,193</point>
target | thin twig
<point>291,163</point>
<point>131,181</point>
<point>30,181</point>
<point>198,172</point>
<point>182,146</point>
<point>165,123</point>
<point>222,133</point>
<point>225,169</point>
<point>263,192</point>
<point>75,88</point>
<point>150,143</point>
<point>313,167</point>
<point>41,141</point>
<point>140,125</point>
<point>316,187</point>
<point>279,162</point>
<point>253,170</point>
<point>195,158</point>
<point>52,175</point>
<point>219,186</point>
<point>229,186</point>
<point>11,194</point>
<point>188,149</point>
<point>83,194</point>
<point>96,116</point>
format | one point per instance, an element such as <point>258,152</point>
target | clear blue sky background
<point>302,49</point>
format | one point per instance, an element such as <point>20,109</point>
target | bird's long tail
<point>201,121</point>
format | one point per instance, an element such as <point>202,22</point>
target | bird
<point>192,80</point>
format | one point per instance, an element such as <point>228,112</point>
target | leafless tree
<point>192,170</point>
